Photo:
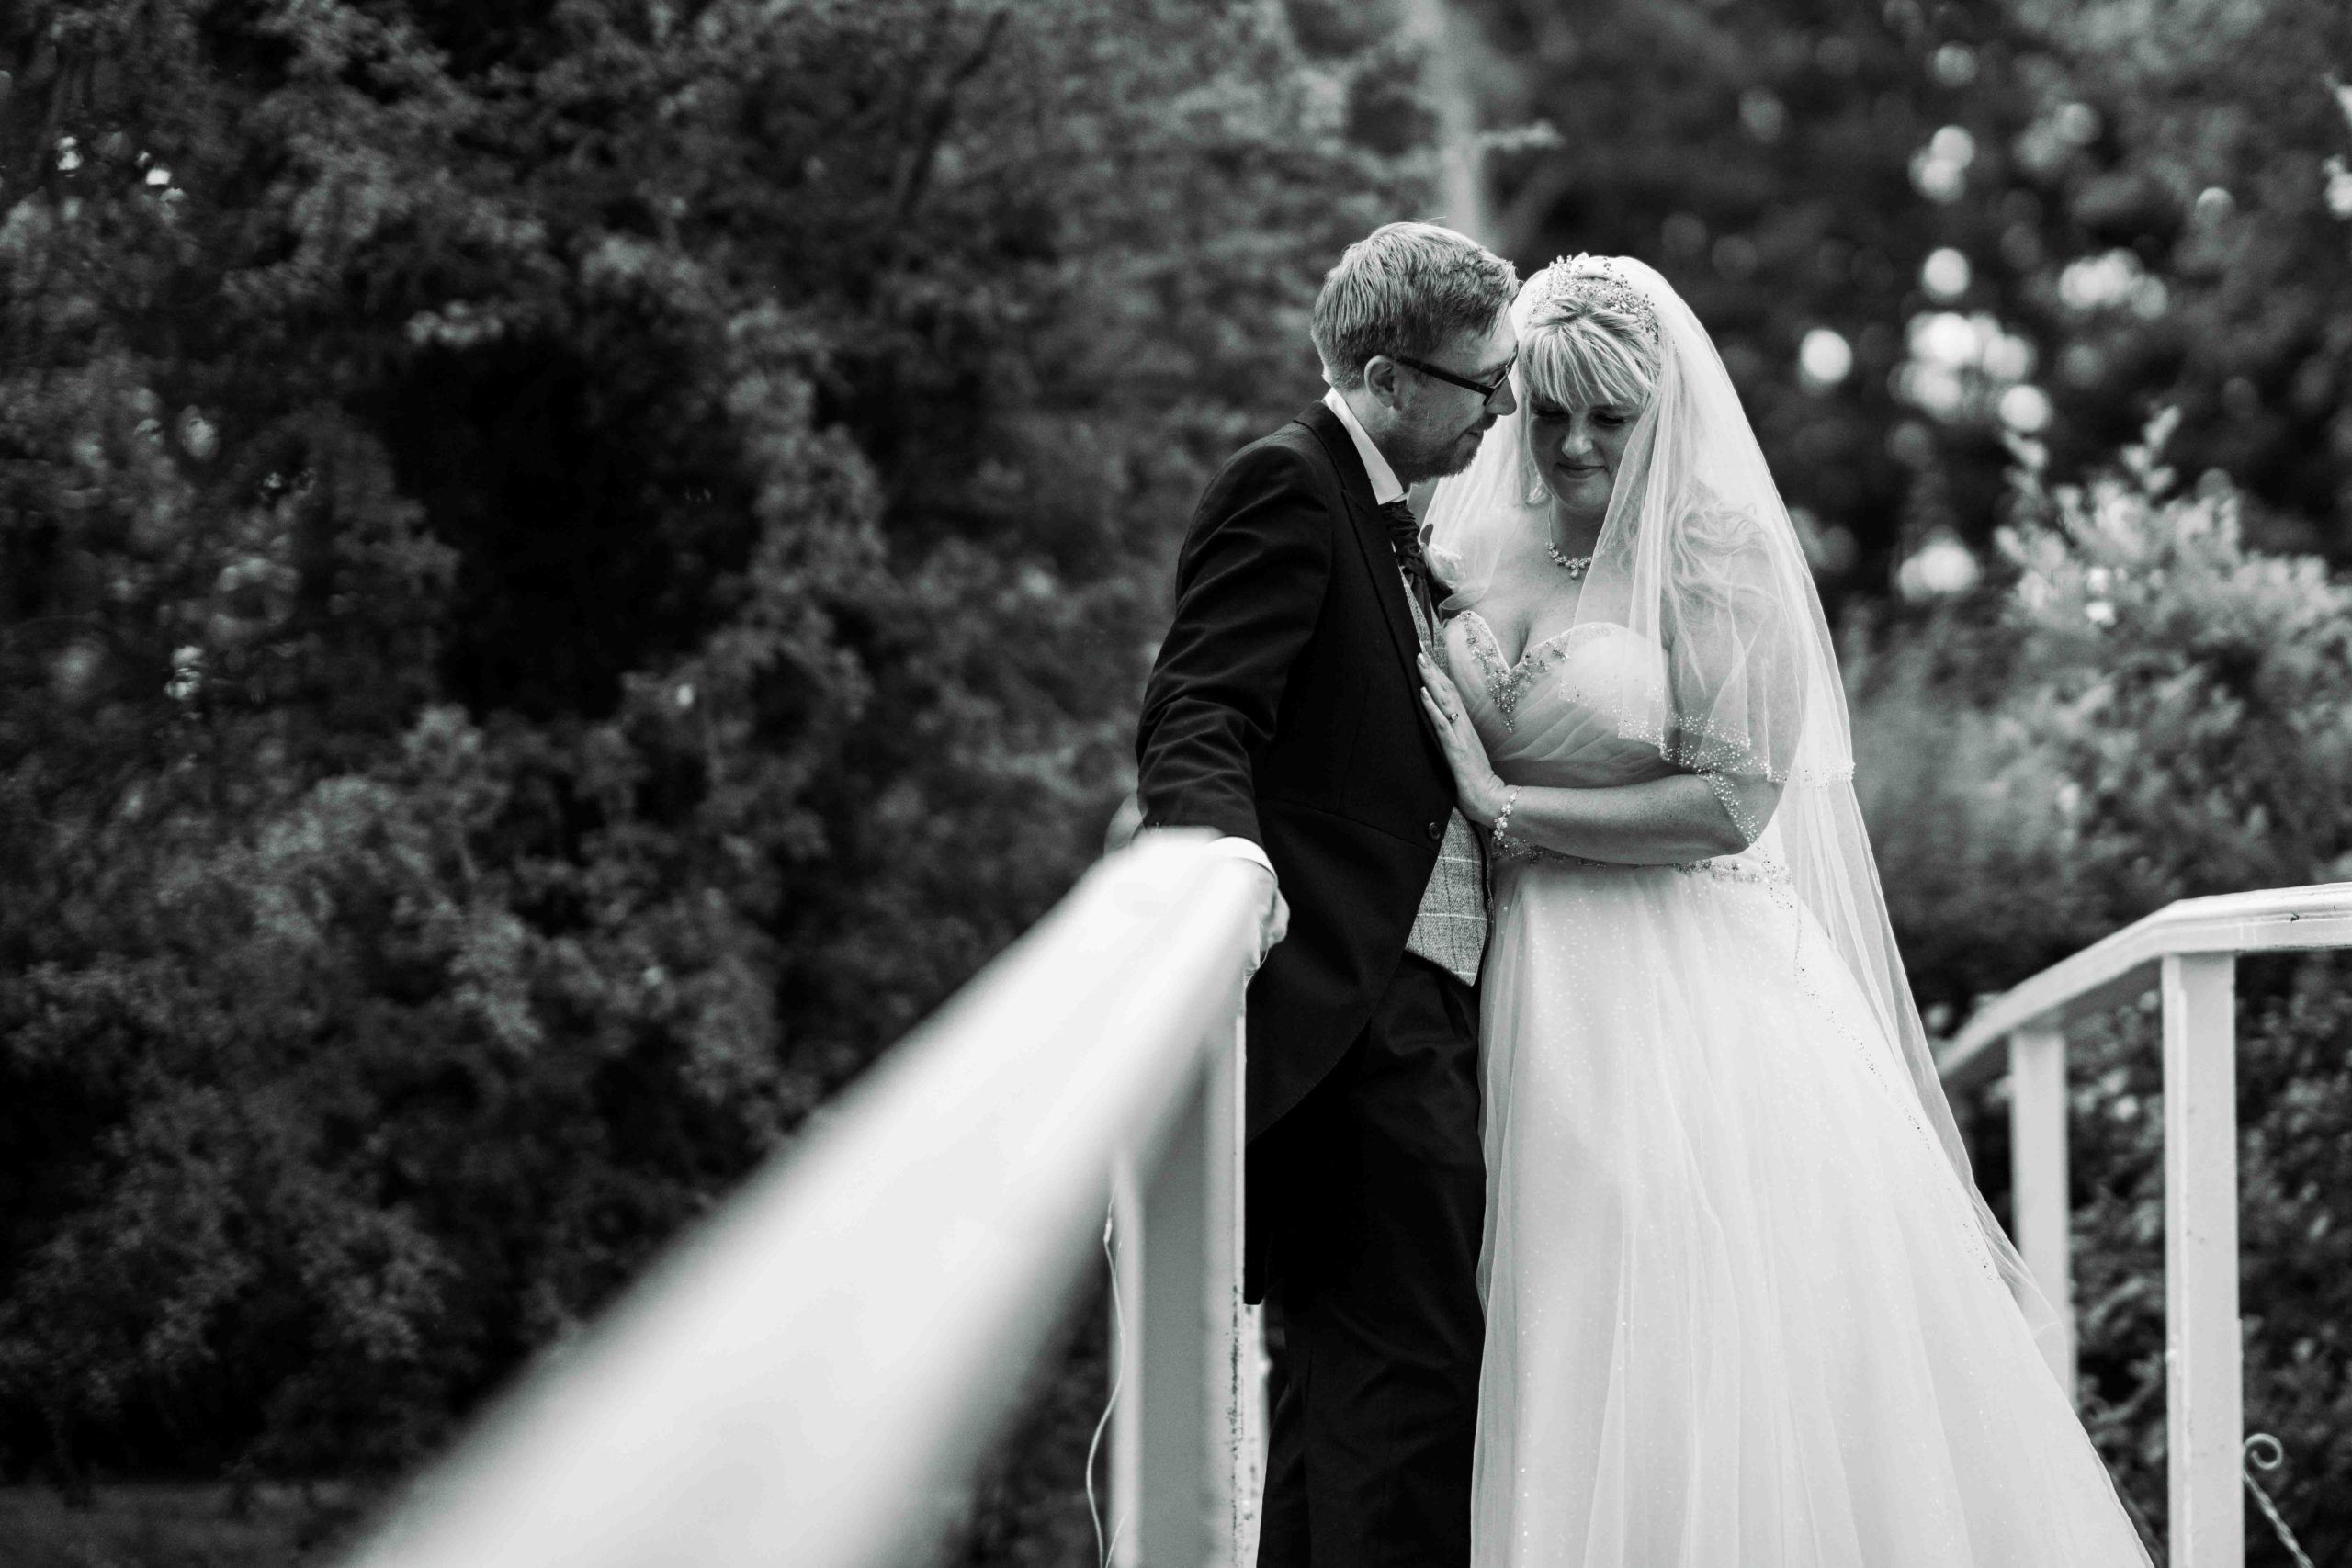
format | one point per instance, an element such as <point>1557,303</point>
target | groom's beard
<point>1441,462</point>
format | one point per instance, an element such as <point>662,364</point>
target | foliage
<point>1911,226</point>
<point>170,1525</point>
<point>2194,692</point>
<point>566,570</point>
<point>2159,711</point>
<point>2217,137</point>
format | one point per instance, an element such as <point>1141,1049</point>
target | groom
<point>1284,713</point>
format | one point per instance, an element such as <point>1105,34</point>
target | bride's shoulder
<point>1711,523</point>
<point>1721,550</point>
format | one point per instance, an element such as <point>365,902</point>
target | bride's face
<point>1580,444</point>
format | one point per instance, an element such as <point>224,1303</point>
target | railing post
<point>2204,1388</point>
<point>2038,1203</point>
<point>1173,1508</point>
<point>1238,1429</point>
<point>1185,1451</point>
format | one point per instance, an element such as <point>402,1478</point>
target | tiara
<point>1585,280</point>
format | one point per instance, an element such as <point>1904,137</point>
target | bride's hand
<point>1475,783</point>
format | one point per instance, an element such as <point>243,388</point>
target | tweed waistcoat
<point>1450,928</point>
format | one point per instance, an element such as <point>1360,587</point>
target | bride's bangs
<point>1580,362</point>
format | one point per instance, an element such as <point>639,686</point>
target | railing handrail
<point>2188,951</point>
<point>811,1375</point>
<point>2103,974</point>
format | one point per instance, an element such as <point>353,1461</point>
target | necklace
<point>1575,566</point>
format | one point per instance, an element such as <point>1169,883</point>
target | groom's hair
<point>1405,289</point>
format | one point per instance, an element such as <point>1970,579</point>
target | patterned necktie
<point>1405,540</point>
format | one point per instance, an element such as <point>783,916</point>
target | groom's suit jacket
<point>1282,709</point>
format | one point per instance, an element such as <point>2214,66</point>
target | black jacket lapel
<point>1371,531</point>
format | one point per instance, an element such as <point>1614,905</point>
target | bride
<point>1745,1306</point>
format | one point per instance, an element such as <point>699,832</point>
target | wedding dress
<point>1745,1308</point>
<point>1741,1313</point>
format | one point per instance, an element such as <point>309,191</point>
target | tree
<point>1915,226</point>
<point>2201,262</point>
<point>570,570</point>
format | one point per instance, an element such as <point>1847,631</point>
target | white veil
<point>1697,553</point>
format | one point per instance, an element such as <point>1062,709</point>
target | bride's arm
<point>1668,821</point>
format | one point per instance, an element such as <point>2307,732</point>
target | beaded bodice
<point>1545,720</point>
<point>1549,719</point>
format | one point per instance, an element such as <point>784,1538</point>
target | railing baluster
<point>2204,1390</point>
<point>2038,1179</point>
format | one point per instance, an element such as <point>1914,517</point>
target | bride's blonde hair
<point>1581,350</point>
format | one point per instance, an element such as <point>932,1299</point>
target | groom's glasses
<point>1486,389</point>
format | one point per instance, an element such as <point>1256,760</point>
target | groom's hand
<point>1274,910</point>
<point>1273,916</point>
<point>1274,925</point>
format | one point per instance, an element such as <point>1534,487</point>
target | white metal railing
<point>2189,951</point>
<point>812,1375</point>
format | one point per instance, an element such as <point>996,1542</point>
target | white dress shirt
<point>1385,486</point>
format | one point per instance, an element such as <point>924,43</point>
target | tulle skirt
<point>1739,1311</point>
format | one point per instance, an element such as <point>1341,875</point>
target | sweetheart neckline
<point>1505,687</point>
<point>1533,649</point>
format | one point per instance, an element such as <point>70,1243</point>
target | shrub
<point>2155,711</point>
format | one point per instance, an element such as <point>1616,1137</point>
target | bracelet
<point>1500,827</point>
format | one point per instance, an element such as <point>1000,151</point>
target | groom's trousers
<point>1376,1190</point>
